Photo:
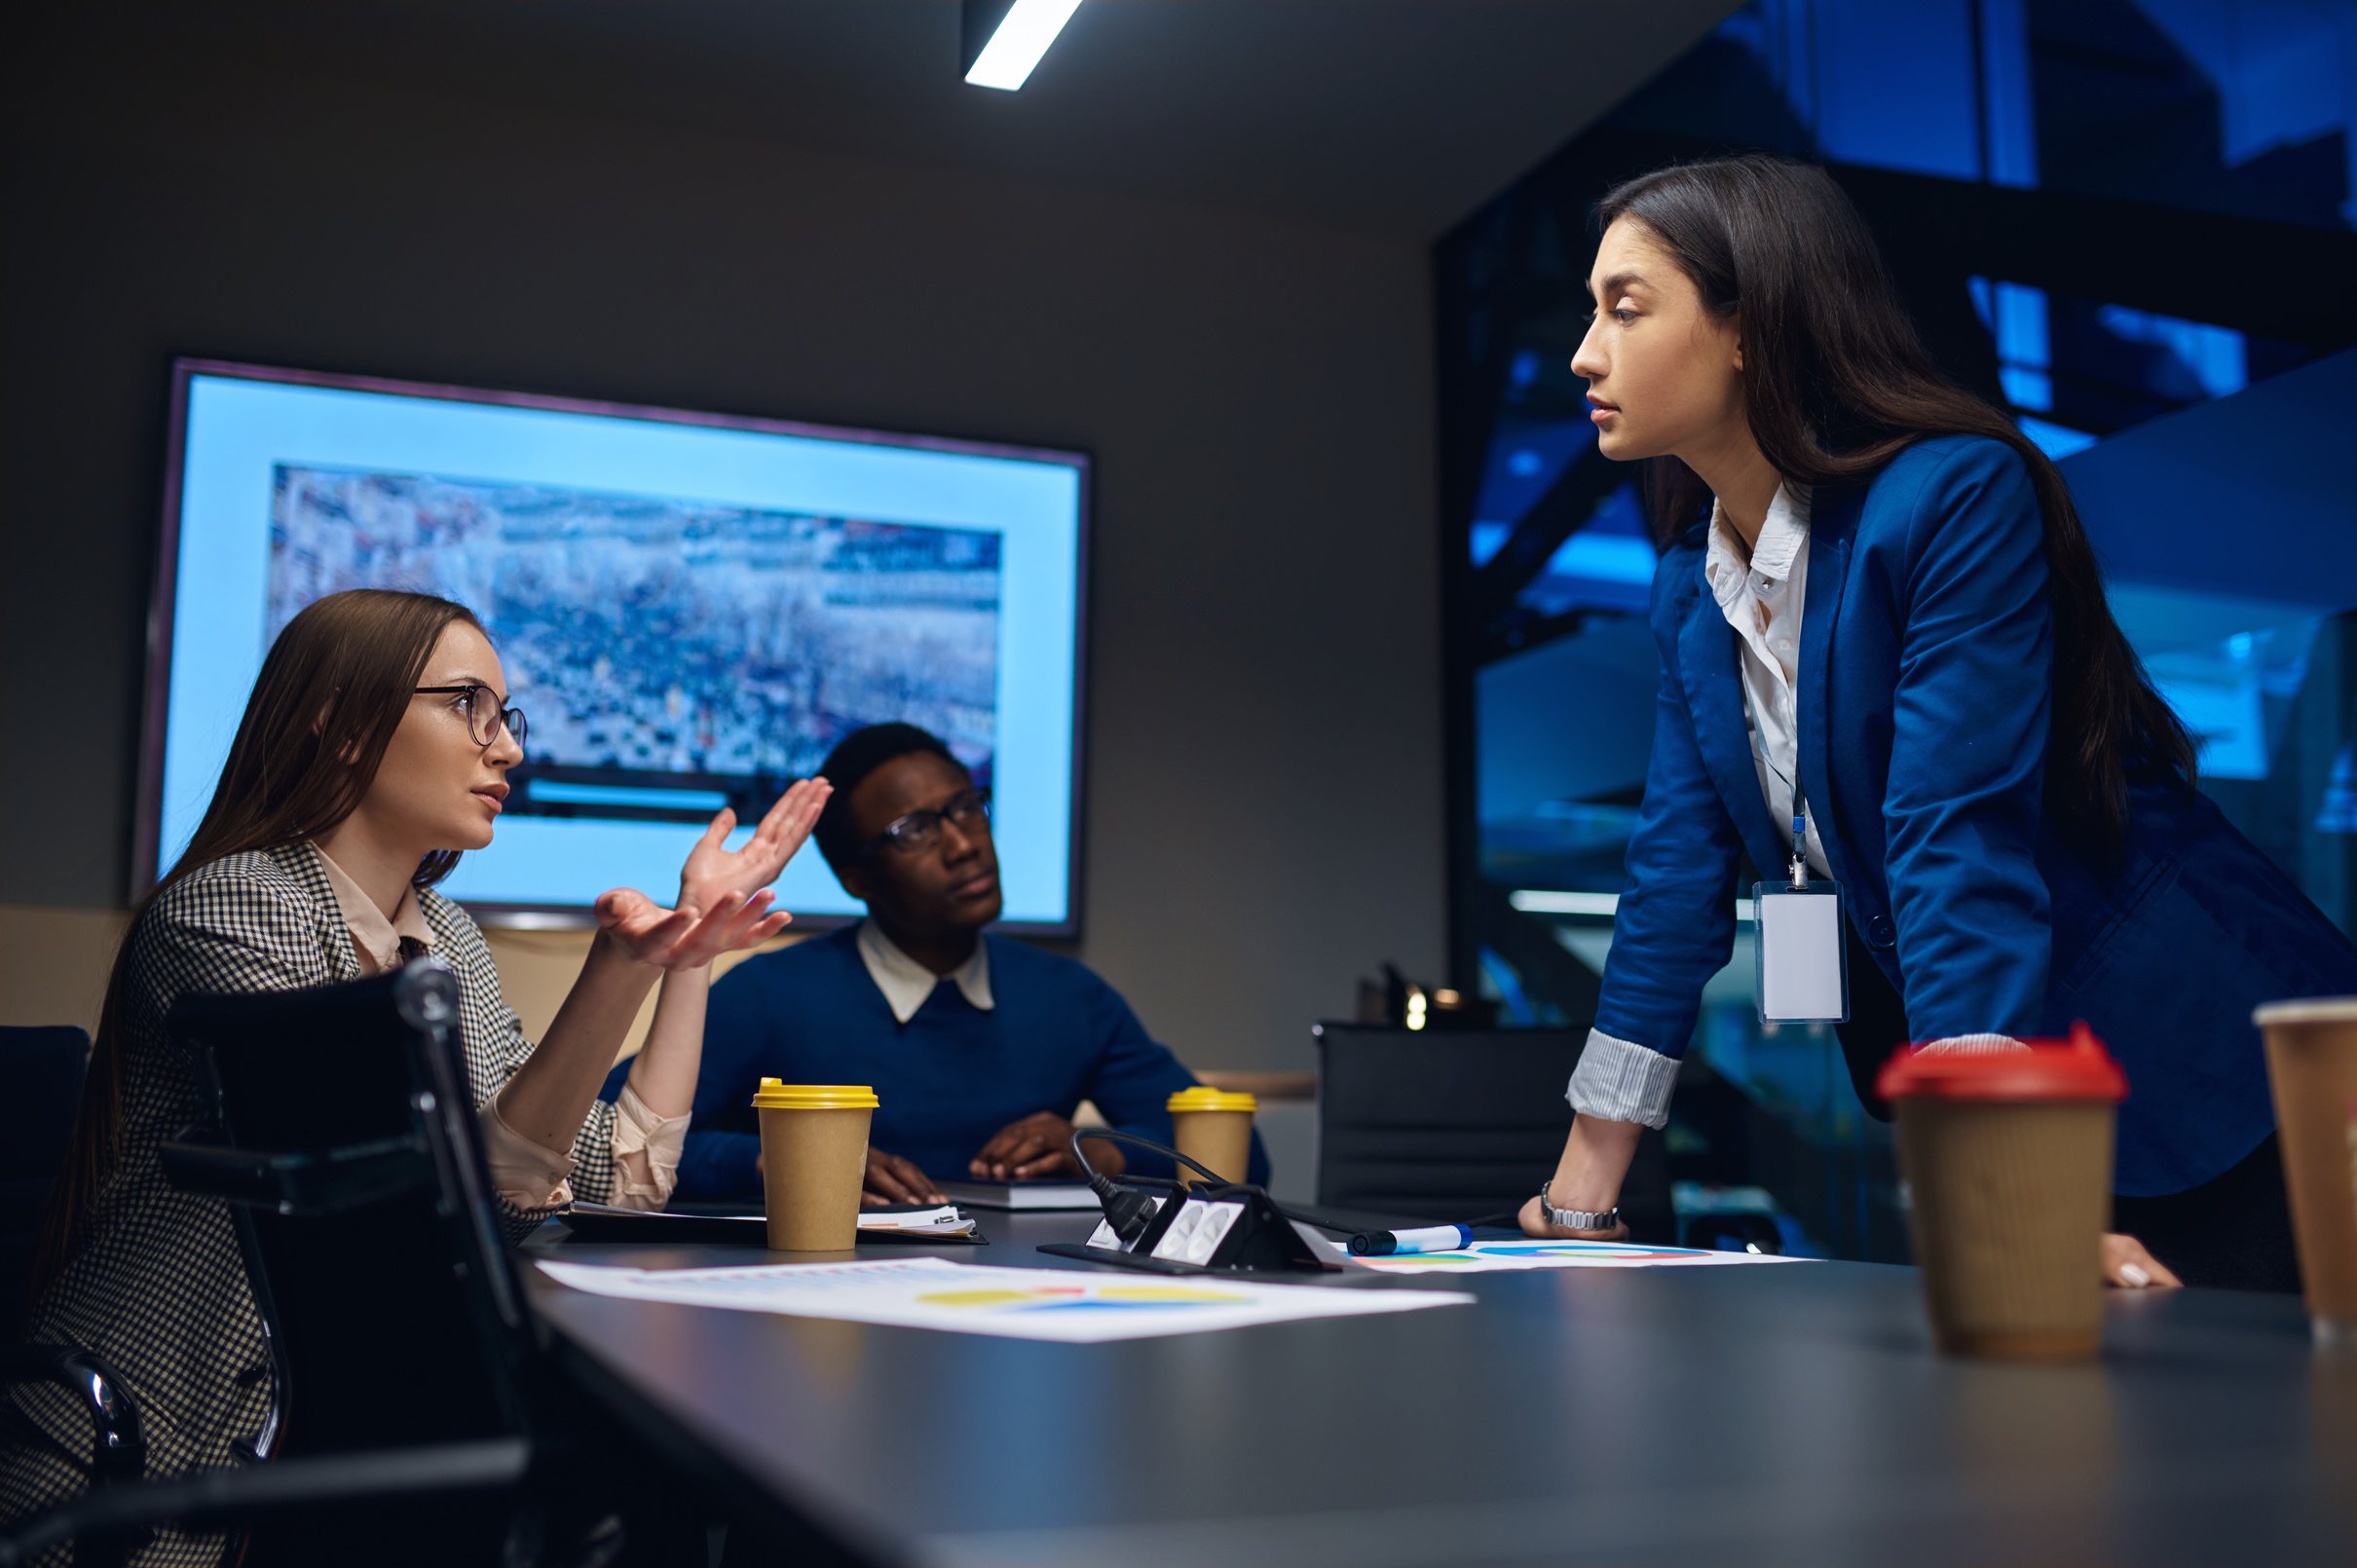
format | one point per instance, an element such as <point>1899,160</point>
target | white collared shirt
<point>906,983</point>
<point>1761,592</point>
<point>376,942</point>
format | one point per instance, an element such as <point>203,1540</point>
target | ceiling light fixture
<point>1005,38</point>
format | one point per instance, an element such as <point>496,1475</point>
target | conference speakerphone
<point>1166,1227</point>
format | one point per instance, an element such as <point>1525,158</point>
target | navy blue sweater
<point>947,1079</point>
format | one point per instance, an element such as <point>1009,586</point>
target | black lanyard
<point>1800,822</point>
<point>1800,806</point>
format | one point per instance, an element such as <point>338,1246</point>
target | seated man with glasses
<point>980,1048</point>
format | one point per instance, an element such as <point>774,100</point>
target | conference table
<point>1779,1413</point>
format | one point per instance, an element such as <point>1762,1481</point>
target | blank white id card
<point>1803,977</point>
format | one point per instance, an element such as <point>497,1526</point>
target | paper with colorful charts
<point>967,1298</point>
<point>1483,1256</point>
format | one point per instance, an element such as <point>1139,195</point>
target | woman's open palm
<point>724,894</point>
<point>713,871</point>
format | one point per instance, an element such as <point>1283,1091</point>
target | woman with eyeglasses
<point>374,752</point>
<point>1891,680</point>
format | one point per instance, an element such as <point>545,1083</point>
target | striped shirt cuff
<point>1617,1081</point>
<point>1970,1045</point>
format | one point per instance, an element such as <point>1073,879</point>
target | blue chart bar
<point>560,794</point>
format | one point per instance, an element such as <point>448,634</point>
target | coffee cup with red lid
<point>2006,1150</point>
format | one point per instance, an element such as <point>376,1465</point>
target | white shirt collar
<point>906,983</point>
<point>1782,537</point>
<point>377,939</point>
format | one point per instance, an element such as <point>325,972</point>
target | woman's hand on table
<point>1536,1224</point>
<point>1588,1176</point>
<point>2127,1264</point>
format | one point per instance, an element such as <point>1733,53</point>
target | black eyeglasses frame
<point>511,719</point>
<point>915,832</point>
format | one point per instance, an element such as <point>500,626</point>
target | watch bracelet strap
<point>1576,1218</point>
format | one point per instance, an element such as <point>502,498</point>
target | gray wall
<point>1263,780</point>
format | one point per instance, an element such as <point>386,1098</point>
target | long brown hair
<point>1837,383</point>
<point>333,689</point>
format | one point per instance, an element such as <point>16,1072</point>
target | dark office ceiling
<point>1392,116</point>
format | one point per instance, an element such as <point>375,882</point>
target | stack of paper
<point>945,1221</point>
<point>597,1221</point>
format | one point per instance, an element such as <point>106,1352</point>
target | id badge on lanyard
<point>1804,975</point>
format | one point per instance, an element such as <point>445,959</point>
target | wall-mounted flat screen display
<point>692,609</point>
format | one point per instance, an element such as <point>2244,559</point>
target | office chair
<point>408,1370</point>
<point>41,1070</point>
<point>41,1082</point>
<point>1455,1124</point>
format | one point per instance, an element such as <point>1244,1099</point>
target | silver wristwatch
<point>1576,1218</point>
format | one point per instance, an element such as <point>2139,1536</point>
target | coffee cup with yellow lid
<point>1216,1128</point>
<point>813,1162</point>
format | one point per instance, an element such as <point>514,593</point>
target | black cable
<point>1128,1211</point>
<point>1114,1135</point>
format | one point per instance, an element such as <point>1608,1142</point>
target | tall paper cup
<point>1213,1128</point>
<point>814,1159</point>
<point>2312,1069</point>
<point>2007,1157</point>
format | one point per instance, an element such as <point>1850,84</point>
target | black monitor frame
<point>147,823</point>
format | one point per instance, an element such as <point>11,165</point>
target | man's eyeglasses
<point>485,718</point>
<point>919,830</point>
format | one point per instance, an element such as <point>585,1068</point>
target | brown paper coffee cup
<point>1216,1129</point>
<point>2008,1159</point>
<point>2009,1202</point>
<point>2312,1072</point>
<point>813,1159</point>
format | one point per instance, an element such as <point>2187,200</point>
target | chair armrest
<point>118,1451</point>
<point>226,1498</point>
<point>322,1183</point>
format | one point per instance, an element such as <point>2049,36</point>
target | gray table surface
<point>1790,1413</point>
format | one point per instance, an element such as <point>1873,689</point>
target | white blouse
<point>1761,592</point>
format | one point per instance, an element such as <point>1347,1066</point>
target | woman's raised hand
<point>724,894</point>
<point>713,871</point>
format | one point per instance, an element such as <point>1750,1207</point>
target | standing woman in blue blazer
<point>1872,587</point>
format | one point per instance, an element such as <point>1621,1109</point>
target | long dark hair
<point>1836,383</point>
<point>333,689</point>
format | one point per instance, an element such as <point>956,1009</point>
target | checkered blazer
<point>156,1284</point>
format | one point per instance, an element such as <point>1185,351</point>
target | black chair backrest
<point>39,1083</point>
<point>1455,1124</point>
<point>349,1151</point>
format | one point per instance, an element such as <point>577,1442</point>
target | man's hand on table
<point>1037,1146</point>
<point>891,1180</point>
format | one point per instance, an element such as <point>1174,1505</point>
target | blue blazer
<point>1924,691</point>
